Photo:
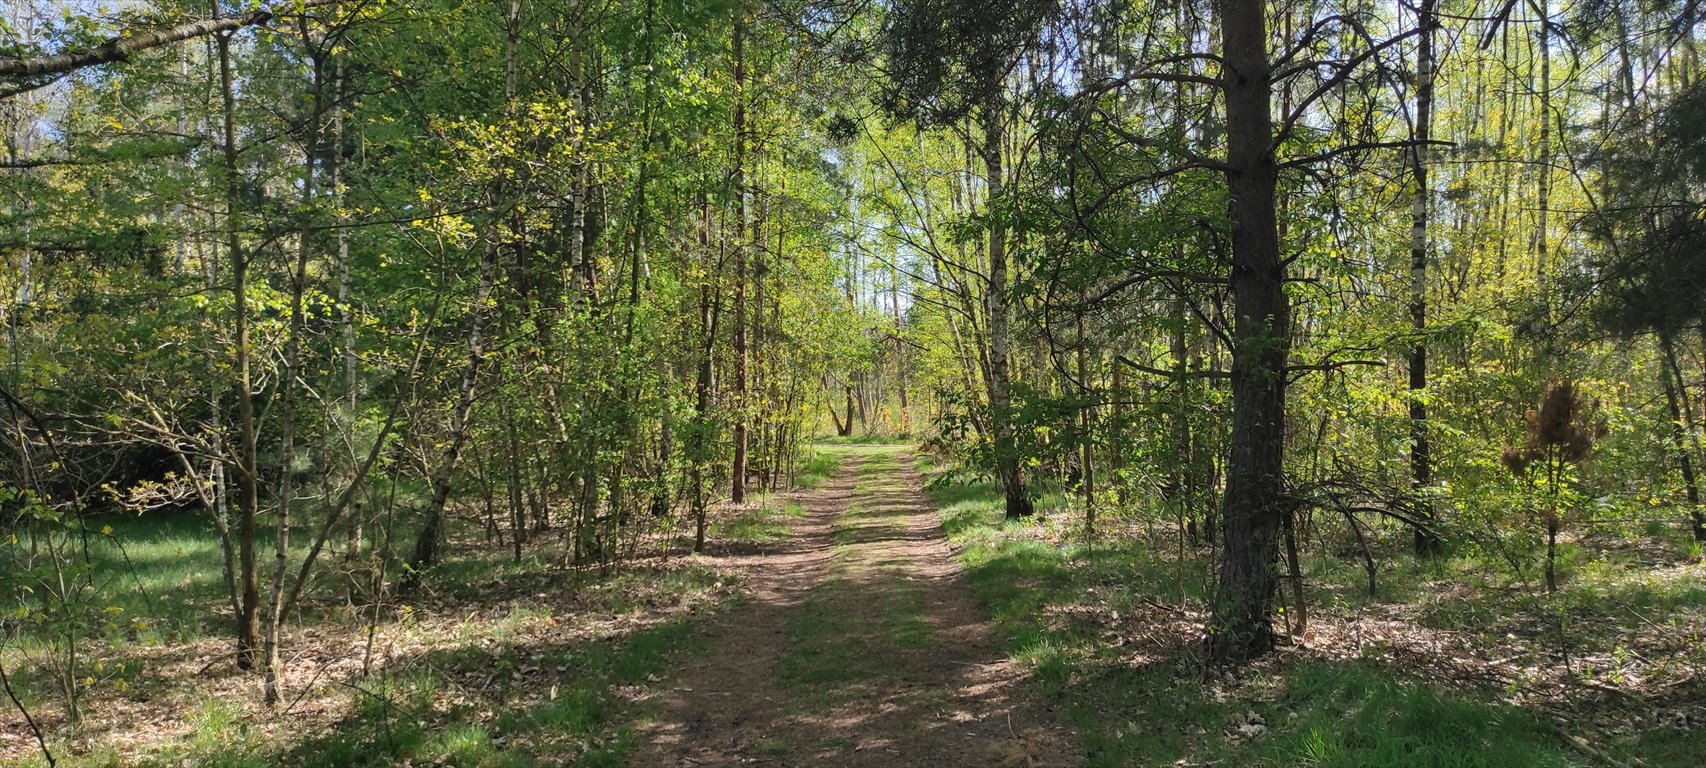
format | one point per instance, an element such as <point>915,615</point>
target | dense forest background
<point>1262,314</point>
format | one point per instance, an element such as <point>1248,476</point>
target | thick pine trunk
<point>1254,506</point>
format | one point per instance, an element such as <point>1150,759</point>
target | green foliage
<point>581,169</point>
<point>56,600</point>
<point>949,57</point>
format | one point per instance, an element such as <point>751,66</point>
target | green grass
<point>819,466</point>
<point>160,579</point>
<point>901,599</point>
<point>423,721</point>
<point>164,574</point>
<point>763,524</point>
<point>417,715</point>
<point>827,644</point>
<point>1155,708</point>
<point>1356,714</point>
<point>864,439</point>
<point>905,610</point>
<point>844,450</point>
<point>157,581</point>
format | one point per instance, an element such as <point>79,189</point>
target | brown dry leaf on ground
<point>175,683</point>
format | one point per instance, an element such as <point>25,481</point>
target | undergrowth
<point>1138,697</point>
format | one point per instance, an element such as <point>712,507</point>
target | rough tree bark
<point>710,310</point>
<point>1253,506</point>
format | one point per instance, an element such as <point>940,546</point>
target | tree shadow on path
<point>861,645</point>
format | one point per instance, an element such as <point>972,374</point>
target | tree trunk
<point>709,312</point>
<point>1543,171</point>
<point>756,345</point>
<point>1177,489</point>
<point>1116,430</point>
<point>426,544</point>
<point>346,314</point>
<point>1007,465</point>
<point>1683,435</point>
<point>1427,541</point>
<point>900,350</point>
<point>1253,507</point>
<point>248,470</point>
<point>701,418</point>
<point>1086,424</point>
<point>292,370</point>
<point>737,469</point>
<point>221,491</point>
<point>517,508</point>
<point>1552,551</point>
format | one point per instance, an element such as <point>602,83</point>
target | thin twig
<point>41,741</point>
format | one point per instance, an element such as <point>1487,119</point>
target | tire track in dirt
<point>861,645</point>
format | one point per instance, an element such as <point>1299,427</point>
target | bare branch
<point>122,47</point>
<point>1363,147</point>
<point>1153,371</point>
<point>1342,72</point>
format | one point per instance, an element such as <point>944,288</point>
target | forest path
<point>862,645</point>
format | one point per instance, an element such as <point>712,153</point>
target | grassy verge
<point>440,711</point>
<point>1126,677</point>
<point>763,524</point>
<point>819,466</point>
<point>504,663</point>
<point>864,439</point>
<point>521,683</point>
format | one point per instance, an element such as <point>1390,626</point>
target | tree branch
<point>121,47</point>
<point>1364,146</point>
<point>1198,374</point>
<point>1342,72</point>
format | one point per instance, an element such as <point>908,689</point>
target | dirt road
<point>861,645</point>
